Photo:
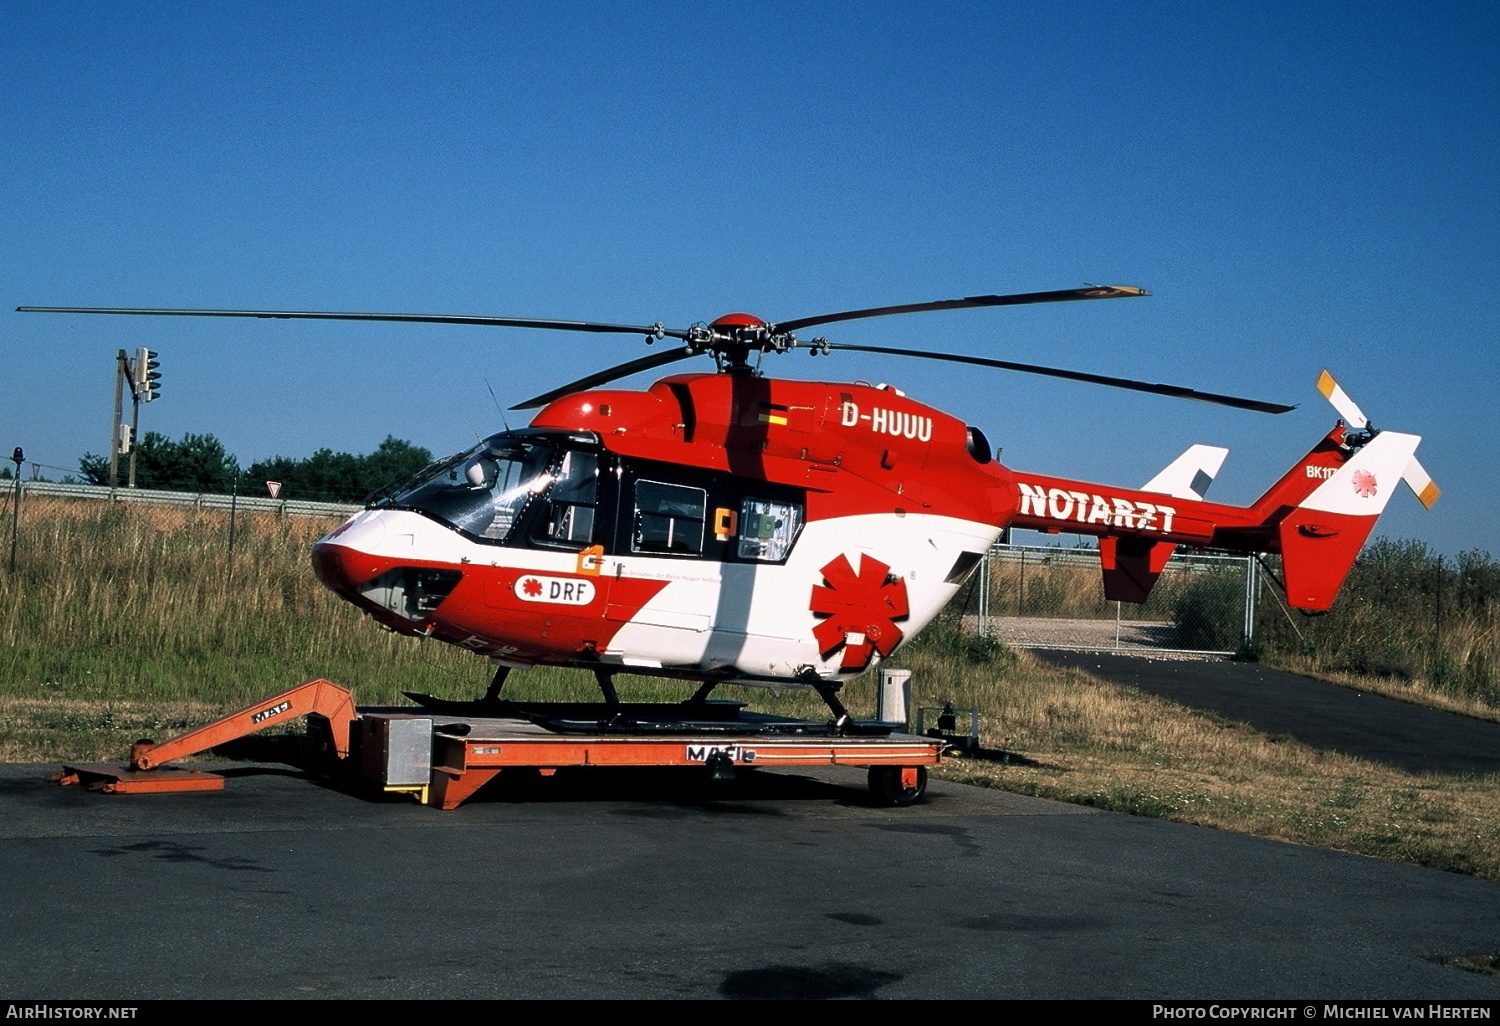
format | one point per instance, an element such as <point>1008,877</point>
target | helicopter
<point>728,527</point>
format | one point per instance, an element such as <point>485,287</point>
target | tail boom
<point>1317,516</point>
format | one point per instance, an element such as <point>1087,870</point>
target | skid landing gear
<point>618,718</point>
<point>492,693</point>
<point>700,697</point>
<point>842,723</point>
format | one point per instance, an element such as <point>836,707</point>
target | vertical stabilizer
<point>1189,475</point>
<point>1323,535</point>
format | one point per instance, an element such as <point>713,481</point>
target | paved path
<point>613,884</point>
<point>1321,715</point>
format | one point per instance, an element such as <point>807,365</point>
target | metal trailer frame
<point>443,760</point>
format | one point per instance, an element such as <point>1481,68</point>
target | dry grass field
<point>126,622</point>
<point>1061,734</point>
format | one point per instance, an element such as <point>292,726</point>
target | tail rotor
<point>1415,475</point>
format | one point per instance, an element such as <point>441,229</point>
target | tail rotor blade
<point>1340,401</point>
<point>1415,475</point>
<point>1421,483</point>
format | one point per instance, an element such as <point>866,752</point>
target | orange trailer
<point>443,759</point>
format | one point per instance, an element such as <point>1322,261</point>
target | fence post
<point>18,457</point>
<point>234,502</point>
<point>1251,588</point>
<point>984,594</point>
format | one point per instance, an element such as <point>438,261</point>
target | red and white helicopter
<point>733,528</point>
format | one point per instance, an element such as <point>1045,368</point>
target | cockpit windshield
<point>485,491</point>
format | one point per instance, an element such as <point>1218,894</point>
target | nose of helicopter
<point>336,557</point>
<point>332,568</point>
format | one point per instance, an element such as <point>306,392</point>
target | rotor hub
<point>734,336</point>
<point>734,322</point>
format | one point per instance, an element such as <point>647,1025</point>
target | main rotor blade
<point>1018,299</point>
<point>610,374</point>
<point>655,330</point>
<point>1175,391</point>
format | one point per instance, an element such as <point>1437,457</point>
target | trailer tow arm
<point>145,772</point>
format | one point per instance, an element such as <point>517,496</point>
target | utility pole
<point>145,385</point>
<point>117,441</point>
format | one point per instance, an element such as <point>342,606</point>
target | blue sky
<point>1300,186</point>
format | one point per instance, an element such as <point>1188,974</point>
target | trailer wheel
<point>887,786</point>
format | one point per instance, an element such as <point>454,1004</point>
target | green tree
<point>330,476</point>
<point>197,463</point>
<point>95,469</point>
<point>392,462</point>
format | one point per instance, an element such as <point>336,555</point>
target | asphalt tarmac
<point>650,884</point>
<point>1327,716</point>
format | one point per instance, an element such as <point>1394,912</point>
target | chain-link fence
<point>1035,596</point>
<point>42,490</point>
<point>42,523</point>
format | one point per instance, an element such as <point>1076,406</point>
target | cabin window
<point>669,518</point>
<point>767,529</point>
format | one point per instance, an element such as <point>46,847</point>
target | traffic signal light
<point>147,376</point>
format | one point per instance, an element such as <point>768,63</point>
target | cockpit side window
<point>485,491</point>
<point>512,479</point>
<point>568,512</point>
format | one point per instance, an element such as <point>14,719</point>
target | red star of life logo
<point>532,587</point>
<point>1364,484</point>
<point>861,611</point>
